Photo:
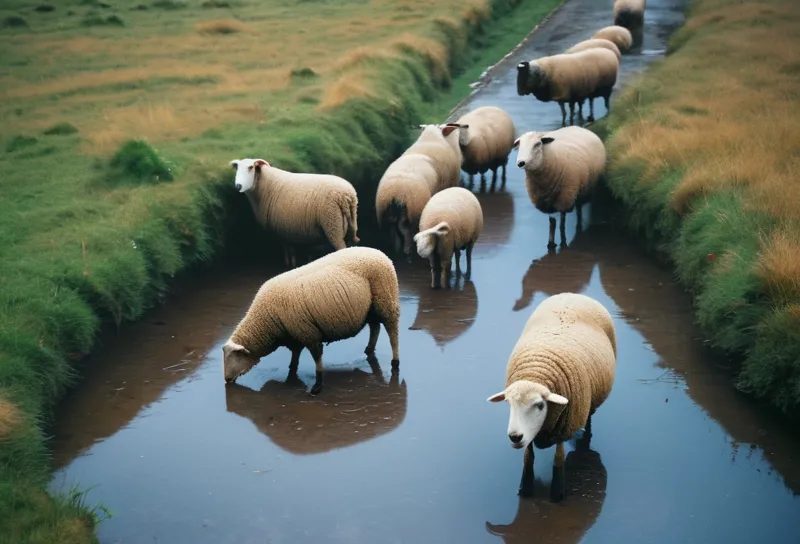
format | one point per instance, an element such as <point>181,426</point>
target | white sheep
<point>300,208</point>
<point>326,300</point>
<point>485,136</point>
<point>430,164</point>
<point>570,78</point>
<point>619,35</point>
<point>630,14</point>
<point>562,168</point>
<point>592,43</point>
<point>451,221</point>
<point>560,371</point>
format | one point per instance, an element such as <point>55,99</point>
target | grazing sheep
<point>326,300</point>
<point>451,221</point>
<point>630,14</point>
<point>432,163</point>
<point>570,77</point>
<point>592,43</point>
<point>300,208</point>
<point>619,35</point>
<point>562,168</point>
<point>485,137</point>
<point>561,370</point>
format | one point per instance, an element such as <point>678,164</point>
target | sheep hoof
<point>525,491</point>
<point>395,364</point>
<point>551,245</point>
<point>557,485</point>
<point>590,119</point>
<point>315,389</point>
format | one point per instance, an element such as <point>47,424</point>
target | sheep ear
<point>547,140</point>
<point>235,164</point>
<point>556,399</point>
<point>462,126</point>
<point>260,162</point>
<point>441,228</point>
<point>230,347</point>
<point>497,397</point>
<point>515,145</point>
<point>446,130</point>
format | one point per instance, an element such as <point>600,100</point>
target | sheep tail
<point>352,222</point>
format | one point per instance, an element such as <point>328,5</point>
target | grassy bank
<point>704,155</point>
<point>119,121</point>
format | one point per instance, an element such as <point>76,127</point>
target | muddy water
<point>676,455</point>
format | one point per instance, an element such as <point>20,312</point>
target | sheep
<point>326,300</point>
<point>592,43</point>
<point>300,208</point>
<point>619,35</point>
<point>570,77</point>
<point>451,221</point>
<point>630,14</point>
<point>430,164</point>
<point>560,371</point>
<point>562,168</point>
<point>485,138</point>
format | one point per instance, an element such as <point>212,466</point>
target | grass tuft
<point>44,8</point>
<point>170,4</point>
<point>215,4</point>
<point>222,27</point>
<point>99,20</point>
<point>137,160</point>
<point>20,142</point>
<point>15,21</point>
<point>61,129</point>
<point>703,153</point>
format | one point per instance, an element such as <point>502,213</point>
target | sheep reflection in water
<point>446,314</point>
<point>358,406</point>
<point>541,520</point>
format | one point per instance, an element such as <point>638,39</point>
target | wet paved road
<point>676,455</point>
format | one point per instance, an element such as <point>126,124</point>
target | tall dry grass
<point>726,113</point>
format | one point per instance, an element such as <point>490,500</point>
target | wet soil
<point>676,455</point>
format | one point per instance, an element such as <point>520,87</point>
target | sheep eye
<point>539,405</point>
<point>249,168</point>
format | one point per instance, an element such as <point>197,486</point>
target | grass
<point>704,153</point>
<point>89,236</point>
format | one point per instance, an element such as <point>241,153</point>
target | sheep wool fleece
<point>487,140</point>
<point>568,345</point>
<point>461,210</point>
<point>299,206</point>
<point>619,35</point>
<point>572,164</point>
<point>329,299</point>
<point>593,43</point>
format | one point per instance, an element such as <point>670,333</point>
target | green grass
<point>89,236</point>
<point>703,154</point>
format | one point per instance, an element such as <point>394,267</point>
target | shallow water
<point>676,454</point>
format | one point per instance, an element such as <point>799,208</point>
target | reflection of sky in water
<point>186,469</point>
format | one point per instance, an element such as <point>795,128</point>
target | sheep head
<point>530,150</point>
<point>463,134</point>
<point>247,172</point>
<point>427,240</point>
<point>529,77</point>
<point>529,404</point>
<point>236,360</point>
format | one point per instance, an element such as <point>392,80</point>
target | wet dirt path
<point>677,455</point>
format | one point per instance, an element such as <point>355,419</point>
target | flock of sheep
<point>563,365</point>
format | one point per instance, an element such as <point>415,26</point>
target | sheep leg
<point>503,185</point>
<point>580,111</point>
<point>471,181</point>
<point>579,213</point>
<point>562,229</point>
<point>584,442</point>
<point>374,331</point>
<point>469,259</point>
<point>606,98</point>
<point>316,353</point>
<point>563,114</point>
<point>458,263</point>
<point>591,110</point>
<point>572,113</point>
<point>295,362</point>
<point>551,241</point>
<point>558,484</point>
<point>483,182</point>
<point>494,179</point>
<point>436,270</point>
<point>446,273</point>
<point>526,483</point>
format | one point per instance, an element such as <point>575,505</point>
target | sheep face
<point>247,173</point>
<point>529,403</point>
<point>530,76</point>
<point>236,360</point>
<point>530,150</point>
<point>427,239</point>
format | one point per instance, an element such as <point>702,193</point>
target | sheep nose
<point>515,438</point>
<point>520,163</point>
<point>238,186</point>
